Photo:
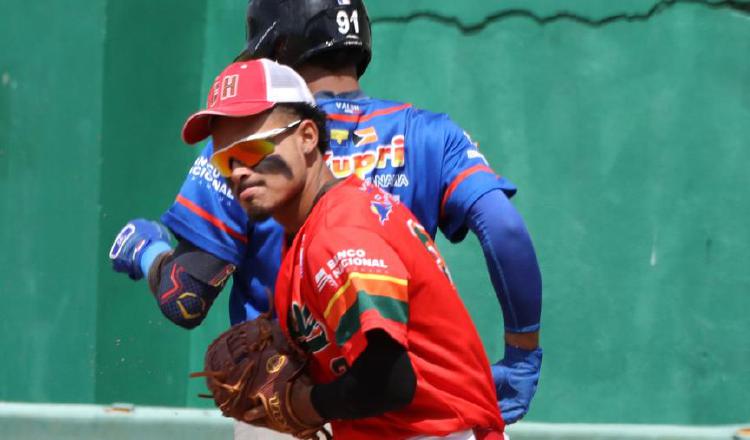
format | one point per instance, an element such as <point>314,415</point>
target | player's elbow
<point>382,379</point>
<point>392,383</point>
<point>182,298</point>
<point>509,222</point>
<point>514,235</point>
<point>401,397</point>
<point>188,324</point>
<point>187,310</point>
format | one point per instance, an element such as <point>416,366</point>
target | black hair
<point>336,59</point>
<point>331,60</point>
<point>304,110</point>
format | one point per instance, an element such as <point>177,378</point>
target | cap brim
<point>198,126</point>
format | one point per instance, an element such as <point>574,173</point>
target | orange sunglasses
<point>249,150</point>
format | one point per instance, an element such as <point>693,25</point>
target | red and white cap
<point>246,88</point>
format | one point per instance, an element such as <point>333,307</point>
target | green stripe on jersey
<point>389,308</point>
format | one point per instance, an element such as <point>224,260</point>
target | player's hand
<point>131,243</point>
<point>516,377</point>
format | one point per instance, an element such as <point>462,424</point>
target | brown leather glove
<point>257,377</point>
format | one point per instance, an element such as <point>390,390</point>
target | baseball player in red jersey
<point>362,263</point>
<point>362,288</point>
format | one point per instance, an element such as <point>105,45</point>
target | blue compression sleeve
<point>150,254</point>
<point>511,260</point>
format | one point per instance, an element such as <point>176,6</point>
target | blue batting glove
<point>516,377</point>
<point>137,245</point>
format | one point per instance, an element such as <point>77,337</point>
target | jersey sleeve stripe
<point>460,178</point>
<point>353,292</point>
<point>367,117</point>
<point>202,213</point>
<point>388,308</point>
<point>375,282</point>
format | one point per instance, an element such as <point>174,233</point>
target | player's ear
<point>309,134</point>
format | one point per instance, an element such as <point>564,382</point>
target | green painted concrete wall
<point>624,124</point>
<point>50,150</point>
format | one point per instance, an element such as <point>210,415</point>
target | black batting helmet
<point>293,31</point>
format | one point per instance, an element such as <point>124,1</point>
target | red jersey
<point>360,262</point>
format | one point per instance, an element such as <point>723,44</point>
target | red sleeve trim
<point>366,117</point>
<point>205,215</point>
<point>460,178</point>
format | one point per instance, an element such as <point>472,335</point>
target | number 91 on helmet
<point>293,32</point>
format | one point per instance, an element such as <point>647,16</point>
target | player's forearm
<point>512,264</point>
<point>382,379</point>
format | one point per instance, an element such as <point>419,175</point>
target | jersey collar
<point>323,190</point>
<point>353,95</point>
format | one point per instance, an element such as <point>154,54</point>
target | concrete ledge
<point>564,431</point>
<point>21,421</point>
<point>25,421</point>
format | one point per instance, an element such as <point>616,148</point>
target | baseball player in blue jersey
<point>421,157</point>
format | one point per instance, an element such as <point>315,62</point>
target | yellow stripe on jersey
<point>386,279</point>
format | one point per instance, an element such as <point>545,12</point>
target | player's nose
<point>240,173</point>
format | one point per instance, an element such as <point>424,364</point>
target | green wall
<point>151,69</point>
<point>50,133</point>
<point>624,126</point>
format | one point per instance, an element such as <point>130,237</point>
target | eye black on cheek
<point>273,164</point>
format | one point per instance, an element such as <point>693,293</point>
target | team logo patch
<point>339,135</point>
<point>468,137</point>
<point>365,162</point>
<point>366,136</point>
<point>229,86</point>
<point>213,97</point>
<point>122,237</point>
<point>475,154</point>
<point>306,330</point>
<point>382,210</point>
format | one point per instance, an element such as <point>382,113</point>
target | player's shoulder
<point>364,107</point>
<point>412,112</point>
<point>428,121</point>
<point>387,104</point>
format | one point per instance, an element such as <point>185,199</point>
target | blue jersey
<point>423,158</point>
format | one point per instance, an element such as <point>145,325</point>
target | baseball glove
<point>251,371</point>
